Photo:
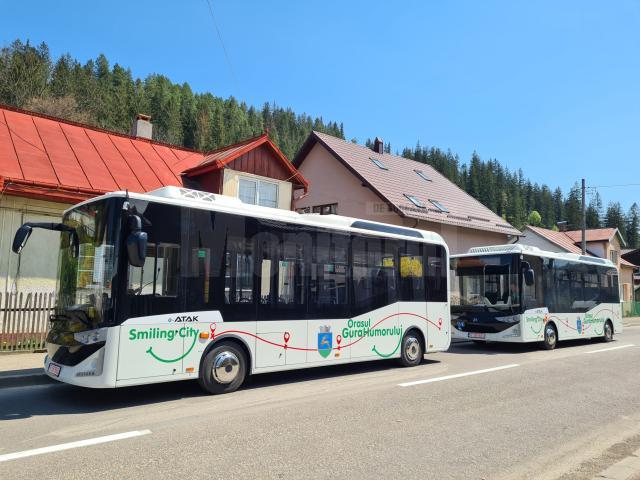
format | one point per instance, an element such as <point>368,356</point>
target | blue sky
<point>550,87</point>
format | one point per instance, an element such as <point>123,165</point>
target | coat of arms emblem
<point>325,341</point>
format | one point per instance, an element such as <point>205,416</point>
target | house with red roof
<point>601,242</point>
<point>362,182</point>
<point>48,164</point>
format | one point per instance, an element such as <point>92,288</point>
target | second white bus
<point>518,293</point>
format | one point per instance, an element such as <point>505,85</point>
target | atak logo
<point>184,318</point>
<point>325,341</point>
<point>579,325</point>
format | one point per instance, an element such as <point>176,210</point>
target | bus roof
<point>210,201</point>
<point>535,251</point>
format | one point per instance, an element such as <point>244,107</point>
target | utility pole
<point>584,217</point>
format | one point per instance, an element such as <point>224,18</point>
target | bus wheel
<point>550,337</point>
<point>224,369</point>
<point>608,332</point>
<point>411,353</point>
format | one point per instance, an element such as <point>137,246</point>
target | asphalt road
<point>564,414</point>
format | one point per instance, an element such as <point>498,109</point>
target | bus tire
<point>412,350</point>
<point>224,369</point>
<point>607,336</point>
<point>550,336</point>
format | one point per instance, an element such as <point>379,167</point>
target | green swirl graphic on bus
<point>169,335</point>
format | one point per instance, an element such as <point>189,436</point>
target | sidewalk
<point>19,369</point>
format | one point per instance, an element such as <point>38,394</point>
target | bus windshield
<point>486,282</point>
<point>85,272</point>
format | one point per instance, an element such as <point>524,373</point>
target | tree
<point>24,72</point>
<point>633,226</point>
<point>594,212</point>
<point>573,208</point>
<point>535,219</point>
<point>614,218</point>
<point>62,107</point>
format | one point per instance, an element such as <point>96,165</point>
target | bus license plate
<point>54,369</point>
<point>476,335</point>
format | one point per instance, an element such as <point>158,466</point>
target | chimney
<point>142,126</point>
<point>378,145</point>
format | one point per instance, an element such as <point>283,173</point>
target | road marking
<point>458,375</point>
<point>67,446</point>
<point>611,348</point>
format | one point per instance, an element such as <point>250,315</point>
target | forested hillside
<point>107,96</point>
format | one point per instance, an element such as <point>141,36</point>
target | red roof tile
<point>561,239</point>
<point>593,234</point>
<point>48,157</point>
<point>401,178</point>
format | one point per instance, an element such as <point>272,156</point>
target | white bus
<point>179,284</point>
<point>518,293</point>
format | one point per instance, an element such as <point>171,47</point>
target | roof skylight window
<point>416,201</point>
<point>439,206</point>
<point>378,163</point>
<point>423,175</point>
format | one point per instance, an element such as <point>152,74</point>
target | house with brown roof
<point>48,164</point>
<point>357,181</point>
<point>601,242</point>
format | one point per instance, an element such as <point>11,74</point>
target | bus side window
<point>373,277</point>
<point>412,272</point>
<point>282,271</point>
<point>237,277</point>
<point>328,293</point>
<point>436,274</point>
<point>533,297</point>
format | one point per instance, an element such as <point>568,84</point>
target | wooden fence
<point>24,320</point>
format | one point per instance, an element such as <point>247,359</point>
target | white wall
<point>35,268</point>
<point>534,240</point>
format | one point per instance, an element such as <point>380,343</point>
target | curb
<point>24,378</point>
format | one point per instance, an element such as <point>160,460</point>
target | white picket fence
<point>24,320</point>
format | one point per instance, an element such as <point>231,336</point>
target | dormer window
<point>439,206</point>
<point>416,201</point>
<point>423,175</point>
<point>378,163</point>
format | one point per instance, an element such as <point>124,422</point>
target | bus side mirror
<point>529,277</point>
<point>136,242</point>
<point>137,248</point>
<point>20,238</point>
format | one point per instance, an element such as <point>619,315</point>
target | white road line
<point>611,348</point>
<point>67,446</point>
<point>458,375</point>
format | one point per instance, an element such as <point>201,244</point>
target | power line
<point>224,49</point>
<point>619,185</point>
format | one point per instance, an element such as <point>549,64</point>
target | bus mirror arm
<point>24,232</point>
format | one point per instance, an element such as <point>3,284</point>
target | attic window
<point>415,201</point>
<point>439,206</point>
<point>423,175</point>
<point>378,163</point>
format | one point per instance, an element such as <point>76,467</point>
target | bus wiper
<point>24,232</point>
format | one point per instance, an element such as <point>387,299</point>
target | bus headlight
<point>89,337</point>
